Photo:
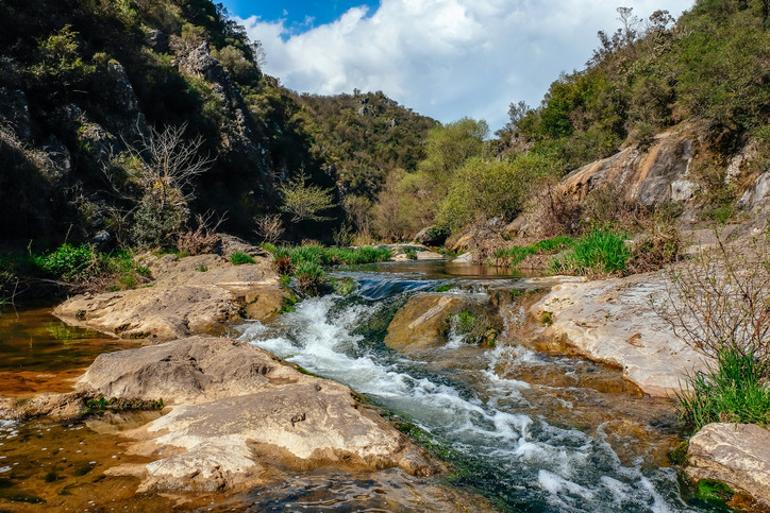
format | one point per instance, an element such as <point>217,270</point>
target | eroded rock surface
<point>736,454</point>
<point>238,414</point>
<point>423,322</point>
<point>613,321</point>
<point>192,295</point>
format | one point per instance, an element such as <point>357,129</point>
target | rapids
<point>503,436</point>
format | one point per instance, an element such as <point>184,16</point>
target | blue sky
<point>299,14</point>
<point>444,58</point>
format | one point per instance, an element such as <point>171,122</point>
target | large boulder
<point>236,413</point>
<point>190,296</point>
<point>613,321</point>
<point>424,322</point>
<point>735,454</point>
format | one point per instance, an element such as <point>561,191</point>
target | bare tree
<point>159,172</point>
<point>719,301</point>
<point>204,237</point>
<point>269,228</point>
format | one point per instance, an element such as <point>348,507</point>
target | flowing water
<point>530,440</point>
<point>532,432</point>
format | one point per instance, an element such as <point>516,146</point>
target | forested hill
<point>91,90</point>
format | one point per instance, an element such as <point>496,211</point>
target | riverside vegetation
<point>135,127</point>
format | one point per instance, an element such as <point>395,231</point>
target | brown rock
<point>189,296</point>
<point>735,454</point>
<point>237,412</point>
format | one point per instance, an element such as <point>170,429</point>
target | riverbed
<point>524,430</point>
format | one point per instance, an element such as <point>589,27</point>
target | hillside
<point>83,85</point>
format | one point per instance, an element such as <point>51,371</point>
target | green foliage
<point>305,202</point>
<point>474,326</point>
<point>311,278</point>
<point>599,251</point>
<point>69,263</point>
<point>486,189</point>
<point>241,258</point>
<point>514,255</point>
<point>734,390</point>
<point>60,59</point>
<point>449,146</point>
<point>343,286</point>
<point>329,256</point>
<point>366,136</point>
<point>445,287</point>
<point>411,253</point>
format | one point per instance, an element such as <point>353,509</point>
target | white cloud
<point>446,58</point>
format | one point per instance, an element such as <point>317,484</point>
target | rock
<point>431,236</point>
<point>612,321</point>
<point>423,322</point>
<point>236,412</point>
<point>429,255</point>
<point>465,258</point>
<point>14,112</point>
<point>191,295</point>
<point>735,454</point>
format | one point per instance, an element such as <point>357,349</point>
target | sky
<point>444,58</point>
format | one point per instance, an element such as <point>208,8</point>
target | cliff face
<point>679,168</point>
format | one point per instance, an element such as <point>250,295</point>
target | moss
<point>713,492</point>
<point>546,318</point>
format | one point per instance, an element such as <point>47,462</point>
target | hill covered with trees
<point>124,118</point>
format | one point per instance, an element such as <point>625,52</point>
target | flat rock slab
<point>238,414</point>
<point>612,321</point>
<point>192,295</point>
<point>736,454</point>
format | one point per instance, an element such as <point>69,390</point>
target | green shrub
<point>411,253</point>
<point>475,326</point>
<point>600,251</point>
<point>311,278</point>
<point>241,258</point>
<point>732,391</point>
<point>515,255</point>
<point>326,256</point>
<point>490,188</point>
<point>69,263</point>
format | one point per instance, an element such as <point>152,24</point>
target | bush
<point>487,189</point>
<point>305,202</point>
<point>734,390</point>
<point>600,251</point>
<point>327,256</point>
<point>241,258</point>
<point>717,300</point>
<point>69,263</point>
<point>311,278</point>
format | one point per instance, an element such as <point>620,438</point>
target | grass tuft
<point>732,391</point>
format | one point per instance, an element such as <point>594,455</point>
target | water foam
<point>565,469</point>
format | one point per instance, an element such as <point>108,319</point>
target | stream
<point>527,430</point>
<point>541,445</point>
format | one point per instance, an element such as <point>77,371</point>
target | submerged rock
<point>612,321</point>
<point>735,454</point>
<point>190,296</point>
<point>238,414</point>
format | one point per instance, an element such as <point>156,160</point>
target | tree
<point>305,202</point>
<point>159,172</point>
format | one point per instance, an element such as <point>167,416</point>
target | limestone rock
<point>736,454</point>
<point>237,411</point>
<point>423,322</point>
<point>612,321</point>
<point>430,236</point>
<point>190,296</point>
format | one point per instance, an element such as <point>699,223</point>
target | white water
<point>522,460</point>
